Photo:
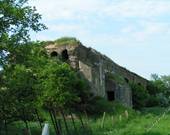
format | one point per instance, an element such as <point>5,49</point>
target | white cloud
<point>138,8</point>
<point>67,9</point>
<point>131,32</point>
<point>64,28</point>
<point>150,30</point>
<point>80,9</point>
<point>147,30</point>
<point>89,12</point>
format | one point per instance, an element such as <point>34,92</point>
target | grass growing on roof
<point>67,41</point>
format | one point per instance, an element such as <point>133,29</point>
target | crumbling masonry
<point>103,75</point>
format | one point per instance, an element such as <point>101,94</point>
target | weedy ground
<point>122,122</point>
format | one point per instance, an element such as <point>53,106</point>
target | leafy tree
<point>20,84</point>
<point>58,83</point>
<point>23,90</point>
<point>166,81</point>
<point>162,83</point>
<point>159,84</point>
<point>17,19</point>
<point>152,88</point>
<point>139,95</point>
<point>62,90</point>
<point>7,108</point>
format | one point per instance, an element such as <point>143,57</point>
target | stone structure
<point>104,76</point>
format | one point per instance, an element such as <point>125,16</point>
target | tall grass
<point>131,123</point>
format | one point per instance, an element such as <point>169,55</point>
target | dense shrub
<point>152,101</point>
<point>98,105</point>
<point>163,100</point>
<point>152,88</point>
<point>159,87</point>
<point>139,95</point>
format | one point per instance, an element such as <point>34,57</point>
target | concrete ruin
<point>106,78</point>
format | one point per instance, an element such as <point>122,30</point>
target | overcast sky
<point>133,33</point>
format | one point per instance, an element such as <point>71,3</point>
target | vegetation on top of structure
<point>62,41</point>
<point>67,41</point>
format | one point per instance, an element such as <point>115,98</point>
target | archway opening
<point>54,54</point>
<point>139,84</point>
<point>65,55</point>
<point>127,80</point>
<point>110,95</point>
<point>110,87</point>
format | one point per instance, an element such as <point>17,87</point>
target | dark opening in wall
<point>127,80</point>
<point>139,84</point>
<point>54,54</point>
<point>110,95</point>
<point>65,55</point>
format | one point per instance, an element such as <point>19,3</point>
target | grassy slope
<point>136,124</point>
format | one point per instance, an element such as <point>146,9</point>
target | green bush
<point>158,89</point>
<point>139,95</point>
<point>163,100</point>
<point>98,105</point>
<point>152,101</point>
<point>67,41</point>
<point>152,88</point>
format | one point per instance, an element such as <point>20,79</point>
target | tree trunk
<point>25,120</point>
<point>74,125</point>
<point>26,124</point>
<point>52,119</point>
<point>6,128</point>
<point>81,121</point>
<point>27,131</point>
<point>38,117</point>
<point>1,123</point>
<point>60,126</point>
<point>56,123</point>
<point>65,122</point>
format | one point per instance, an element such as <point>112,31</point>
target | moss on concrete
<point>67,41</point>
<point>62,41</point>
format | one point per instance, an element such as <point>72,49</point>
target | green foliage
<point>98,105</point>
<point>136,124</point>
<point>58,85</point>
<point>21,84</point>
<point>156,94</point>
<point>152,89</point>
<point>33,81</point>
<point>67,41</point>
<point>152,101</point>
<point>7,106</point>
<point>162,87</point>
<point>17,19</point>
<point>139,95</point>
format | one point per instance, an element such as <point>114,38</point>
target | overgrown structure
<point>106,78</point>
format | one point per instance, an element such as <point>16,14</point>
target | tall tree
<point>162,84</point>
<point>22,86</point>
<point>17,19</point>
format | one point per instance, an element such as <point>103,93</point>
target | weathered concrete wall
<point>95,67</point>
